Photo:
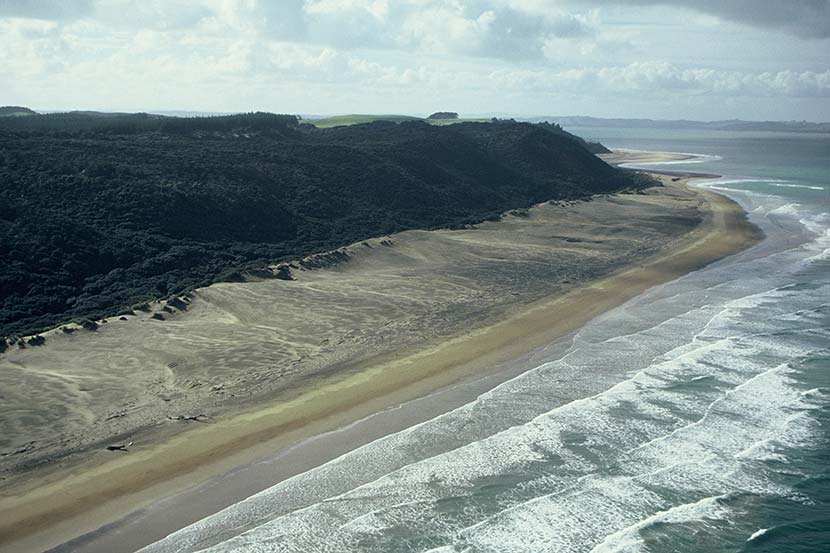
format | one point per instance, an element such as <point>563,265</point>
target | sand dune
<point>418,309</point>
<point>241,341</point>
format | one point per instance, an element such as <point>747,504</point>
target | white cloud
<point>327,55</point>
<point>47,10</point>
<point>656,79</point>
<point>805,18</point>
<point>484,28</point>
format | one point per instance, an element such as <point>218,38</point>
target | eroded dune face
<point>238,343</point>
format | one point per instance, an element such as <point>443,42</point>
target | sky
<point>667,59</point>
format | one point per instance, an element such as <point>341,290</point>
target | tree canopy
<point>98,213</point>
<point>444,115</point>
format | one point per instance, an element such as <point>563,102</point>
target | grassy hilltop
<point>15,111</point>
<point>357,119</point>
<point>98,213</point>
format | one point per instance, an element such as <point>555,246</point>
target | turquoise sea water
<point>702,424</point>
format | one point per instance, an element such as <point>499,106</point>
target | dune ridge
<point>267,362</point>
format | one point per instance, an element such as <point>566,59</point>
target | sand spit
<point>247,367</point>
<point>619,157</point>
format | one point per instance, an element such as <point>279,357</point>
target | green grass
<point>356,119</point>
<point>452,121</point>
<point>16,114</point>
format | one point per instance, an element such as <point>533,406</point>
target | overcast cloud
<point>803,18</point>
<point>704,59</point>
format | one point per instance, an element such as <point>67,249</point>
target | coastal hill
<point>443,115</point>
<point>440,118</point>
<point>15,111</point>
<point>101,212</point>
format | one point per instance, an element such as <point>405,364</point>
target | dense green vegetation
<point>98,213</point>
<point>442,118</point>
<point>443,115</point>
<point>357,119</point>
<point>62,124</point>
<point>593,147</point>
<point>15,111</point>
<point>454,121</point>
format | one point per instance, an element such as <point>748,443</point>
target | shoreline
<point>106,492</point>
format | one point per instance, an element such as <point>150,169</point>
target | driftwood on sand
<point>197,418</point>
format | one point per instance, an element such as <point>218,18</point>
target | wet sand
<point>511,287</point>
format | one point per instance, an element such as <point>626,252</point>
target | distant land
<point>726,125</point>
<point>324,121</point>
<point>15,111</point>
<point>100,213</point>
<point>354,119</point>
<point>438,118</point>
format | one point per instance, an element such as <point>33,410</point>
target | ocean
<point>702,422</point>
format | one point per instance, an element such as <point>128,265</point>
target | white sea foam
<point>816,394</point>
<point>777,183</point>
<point>694,457</point>
<point>689,388</point>
<point>719,185</point>
<point>628,539</point>
<point>728,181</point>
<point>757,534</point>
<point>819,247</point>
<point>763,450</point>
<point>818,225</point>
<point>790,185</point>
<point>371,509</point>
<point>786,209</point>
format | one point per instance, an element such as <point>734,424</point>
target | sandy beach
<point>243,371</point>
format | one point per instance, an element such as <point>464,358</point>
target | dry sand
<point>621,156</point>
<point>269,362</point>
